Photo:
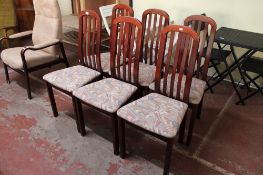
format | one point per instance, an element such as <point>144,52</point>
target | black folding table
<point>237,38</point>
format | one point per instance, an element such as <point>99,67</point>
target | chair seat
<point>146,74</point>
<point>33,58</point>
<point>71,78</point>
<point>108,94</point>
<point>156,113</point>
<point>196,91</point>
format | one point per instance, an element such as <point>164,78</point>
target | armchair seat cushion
<point>71,78</point>
<point>197,88</point>
<point>12,58</point>
<point>146,74</point>
<point>156,113</point>
<point>108,94</point>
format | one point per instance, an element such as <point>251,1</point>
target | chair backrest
<point>153,21</point>
<point>106,11</point>
<point>206,29</point>
<point>113,11</point>
<point>125,49</point>
<point>47,24</point>
<point>179,62</point>
<point>89,39</point>
<point>121,10</point>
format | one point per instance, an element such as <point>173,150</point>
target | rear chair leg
<point>52,99</point>
<point>194,114</point>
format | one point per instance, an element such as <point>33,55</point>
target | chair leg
<point>199,110</point>
<point>194,114</point>
<point>80,117</point>
<point>122,137</point>
<point>168,155</point>
<point>76,113</point>
<point>28,85</point>
<point>182,130</point>
<point>52,99</point>
<point>6,74</point>
<point>115,134</point>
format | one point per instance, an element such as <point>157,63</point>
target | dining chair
<point>69,79</point>
<point>160,114</point>
<point>206,30</point>
<point>109,94</point>
<point>47,49</point>
<point>116,11</point>
<point>153,21</point>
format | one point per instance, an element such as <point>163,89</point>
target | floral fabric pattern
<point>105,62</point>
<point>108,94</point>
<point>197,88</point>
<point>146,73</point>
<point>156,113</point>
<point>71,78</point>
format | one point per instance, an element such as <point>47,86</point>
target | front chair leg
<point>28,85</point>
<point>52,99</point>
<point>6,74</point>
<point>80,117</point>
<point>122,137</point>
<point>115,134</point>
<point>168,155</point>
<point>76,113</point>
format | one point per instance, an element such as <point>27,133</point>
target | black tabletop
<point>240,38</point>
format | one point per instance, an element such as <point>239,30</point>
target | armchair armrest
<point>42,45</point>
<point>21,34</point>
<point>37,47</point>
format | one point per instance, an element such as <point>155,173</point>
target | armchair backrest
<point>125,48</point>
<point>206,29</point>
<point>48,23</point>
<point>89,39</point>
<point>179,62</point>
<point>153,21</point>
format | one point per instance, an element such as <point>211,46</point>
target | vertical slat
<point>182,67</point>
<point>93,32</point>
<point>119,47</point>
<point>175,65</point>
<point>85,39</point>
<point>167,62</point>
<point>131,50</point>
<point>125,47</point>
<point>80,39</point>
<point>152,38</point>
<point>148,32</point>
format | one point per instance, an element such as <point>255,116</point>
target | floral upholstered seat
<point>146,74</point>
<point>71,78</point>
<point>196,91</point>
<point>107,94</point>
<point>156,113</point>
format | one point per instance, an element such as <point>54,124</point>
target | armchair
<point>47,47</point>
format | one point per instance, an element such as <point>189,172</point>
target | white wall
<point>241,14</point>
<point>65,7</point>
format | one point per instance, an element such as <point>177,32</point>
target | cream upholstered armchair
<point>47,47</point>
